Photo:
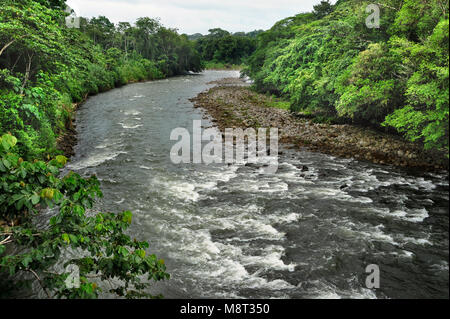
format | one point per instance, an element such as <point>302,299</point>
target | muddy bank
<point>67,141</point>
<point>231,105</point>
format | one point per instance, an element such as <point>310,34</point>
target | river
<point>307,231</point>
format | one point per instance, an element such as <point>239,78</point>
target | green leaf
<point>8,141</point>
<point>123,251</point>
<point>61,159</point>
<point>6,163</point>
<point>65,238</point>
<point>73,238</point>
<point>26,261</point>
<point>140,253</point>
<point>127,217</point>
<point>35,199</point>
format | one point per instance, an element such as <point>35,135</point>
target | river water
<point>307,231</point>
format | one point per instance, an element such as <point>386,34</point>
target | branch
<point>27,72</point>
<point>15,63</point>
<point>6,241</point>
<point>40,282</point>
<point>10,43</point>
<point>386,6</point>
<point>9,240</point>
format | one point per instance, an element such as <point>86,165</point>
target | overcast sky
<point>192,16</point>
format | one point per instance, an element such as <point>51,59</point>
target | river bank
<point>231,104</point>
<point>67,141</point>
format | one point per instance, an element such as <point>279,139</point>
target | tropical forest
<point>93,204</point>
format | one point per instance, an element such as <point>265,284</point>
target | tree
<point>125,32</point>
<point>221,46</point>
<point>217,33</point>
<point>101,31</point>
<point>323,9</point>
<point>425,115</point>
<point>53,4</point>
<point>146,29</point>
<point>28,187</point>
<point>332,65</point>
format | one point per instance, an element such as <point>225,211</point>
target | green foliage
<point>221,47</point>
<point>368,90</point>
<point>45,67</point>
<point>323,9</point>
<point>280,105</point>
<point>212,65</point>
<point>54,4</point>
<point>329,63</point>
<point>172,53</point>
<point>425,114</point>
<point>26,188</point>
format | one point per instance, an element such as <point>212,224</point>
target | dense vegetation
<point>46,67</point>
<point>326,62</point>
<point>106,252</point>
<point>220,48</point>
<point>329,62</point>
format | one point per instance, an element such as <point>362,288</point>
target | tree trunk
<point>27,72</point>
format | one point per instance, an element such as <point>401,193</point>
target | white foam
<point>415,241</point>
<point>94,160</point>
<point>274,188</point>
<point>269,259</point>
<point>130,127</point>
<point>183,190</point>
<point>327,290</point>
<point>120,201</point>
<point>281,218</point>
<point>409,215</point>
<point>132,113</point>
<point>414,216</point>
<point>408,254</point>
<point>442,266</point>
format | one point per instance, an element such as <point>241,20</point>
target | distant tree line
<point>224,47</point>
<point>174,53</point>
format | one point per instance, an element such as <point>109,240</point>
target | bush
<point>106,252</point>
<point>329,63</point>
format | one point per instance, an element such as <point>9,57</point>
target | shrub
<point>106,252</point>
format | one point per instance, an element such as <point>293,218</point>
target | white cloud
<point>192,16</point>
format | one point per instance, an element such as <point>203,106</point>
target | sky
<point>197,16</point>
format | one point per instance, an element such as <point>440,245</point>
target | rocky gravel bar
<point>232,104</point>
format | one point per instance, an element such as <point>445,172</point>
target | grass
<point>279,104</point>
